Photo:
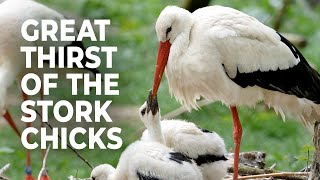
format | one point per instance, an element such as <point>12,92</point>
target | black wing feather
<point>179,157</point>
<point>142,176</point>
<point>209,158</point>
<point>301,80</point>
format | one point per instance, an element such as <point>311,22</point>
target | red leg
<point>28,159</point>
<point>237,134</point>
<point>9,119</point>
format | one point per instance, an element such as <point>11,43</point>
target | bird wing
<point>245,44</point>
<point>16,12</point>
<point>154,161</point>
<point>253,54</point>
<point>146,176</point>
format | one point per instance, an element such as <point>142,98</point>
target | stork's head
<point>173,24</point>
<point>102,172</point>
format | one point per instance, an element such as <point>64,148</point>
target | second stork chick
<point>205,147</point>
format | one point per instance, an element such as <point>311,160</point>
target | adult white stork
<point>205,147</point>
<point>13,13</point>
<point>148,160</point>
<point>220,53</point>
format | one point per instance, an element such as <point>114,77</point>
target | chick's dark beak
<point>152,104</point>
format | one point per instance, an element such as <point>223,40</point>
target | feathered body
<point>149,160</point>
<point>13,13</point>
<point>12,62</point>
<point>206,148</point>
<point>219,53</point>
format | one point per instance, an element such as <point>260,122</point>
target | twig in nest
<point>286,175</point>
<point>69,146</point>
<point>250,159</point>
<point>247,170</point>
<point>273,166</point>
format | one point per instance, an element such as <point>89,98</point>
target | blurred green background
<point>132,31</point>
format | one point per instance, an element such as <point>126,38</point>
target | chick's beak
<point>162,59</point>
<point>152,104</point>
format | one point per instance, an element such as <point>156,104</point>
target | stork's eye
<point>93,178</point>
<point>168,30</point>
<point>143,111</point>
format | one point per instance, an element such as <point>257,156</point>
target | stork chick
<point>205,147</point>
<point>148,160</point>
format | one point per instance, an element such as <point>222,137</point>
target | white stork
<point>148,160</point>
<point>206,148</point>
<point>220,53</point>
<point>12,62</point>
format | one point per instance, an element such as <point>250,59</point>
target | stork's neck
<point>154,130</point>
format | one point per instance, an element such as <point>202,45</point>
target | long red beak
<point>162,59</point>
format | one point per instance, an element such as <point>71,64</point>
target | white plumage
<point>220,53</point>
<point>185,137</point>
<point>102,172</point>
<point>213,44</point>
<point>12,62</point>
<point>142,160</point>
<point>13,13</point>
